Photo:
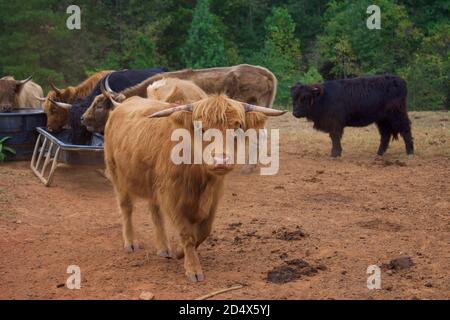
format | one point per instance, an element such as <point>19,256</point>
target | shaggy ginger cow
<point>138,160</point>
<point>57,116</point>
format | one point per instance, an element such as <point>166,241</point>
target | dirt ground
<point>309,232</point>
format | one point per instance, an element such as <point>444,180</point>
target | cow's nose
<point>221,160</point>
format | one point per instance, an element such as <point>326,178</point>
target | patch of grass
<point>5,150</point>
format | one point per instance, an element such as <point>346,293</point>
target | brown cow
<point>57,116</point>
<point>246,83</point>
<point>138,150</point>
<point>16,94</point>
<point>167,90</point>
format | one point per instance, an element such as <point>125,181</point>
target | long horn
<point>60,104</point>
<point>114,102</point>
<point>266,111</point>
<point>26,80</point>
<point>168,112</point>
<point>108,88</point>
<point>41,99</point>
<point>103,90</point>
<point>55,88</point>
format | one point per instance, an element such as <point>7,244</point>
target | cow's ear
<point>19,87</point>
<point>317,90</point>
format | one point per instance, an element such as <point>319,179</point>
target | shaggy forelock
<point>218,111</point>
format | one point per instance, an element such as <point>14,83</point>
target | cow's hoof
<point>410,156</point>
<point>131,248</point>
<point>165,254</point>
<point>199,277</point>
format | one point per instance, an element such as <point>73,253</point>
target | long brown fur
<point>137,156</point>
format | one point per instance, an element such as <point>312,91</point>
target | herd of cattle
<point>138,109</point>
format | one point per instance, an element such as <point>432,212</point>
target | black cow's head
<point>303,97</point>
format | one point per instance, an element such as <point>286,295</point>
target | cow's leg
<point>386,134</point>
<point>336,136</point>
<point>161,242</point>
<point>188,239</point>
<point>401,124</point>
<point>407,137</point>
<point>204,228</point>
<point>126,207</point>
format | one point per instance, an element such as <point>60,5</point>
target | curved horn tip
<point>60,104</point>
<point>27,79</point>
<point>22,82</point>
<point>264,110</point>
<point>41,99</point>
<point>55,88</point>
<point>114,102</point>
<point>107,86</point>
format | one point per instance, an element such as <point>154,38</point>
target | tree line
<point>307,41</point>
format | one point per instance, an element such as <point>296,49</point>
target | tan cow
<point>245,83</point>
<point>15,94</point>
<point>175,91</point>
<point>138,150</point>
<point>57,116</point>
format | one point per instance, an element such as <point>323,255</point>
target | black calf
<point>356,102</point>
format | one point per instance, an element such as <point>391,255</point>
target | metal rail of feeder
<point>48,148</point>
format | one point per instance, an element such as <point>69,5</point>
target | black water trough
<point>21,125</point>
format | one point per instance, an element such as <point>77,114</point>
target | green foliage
<point>344,59</point>
<point>281,51</point>
<point>123,34</point>
<point>142,52</point>
<point>311,76</point>
<point>428,76</point>
<point>4,150</point>
<point>376,51</point>
<point>425,92</point>
<point>204,46</point>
